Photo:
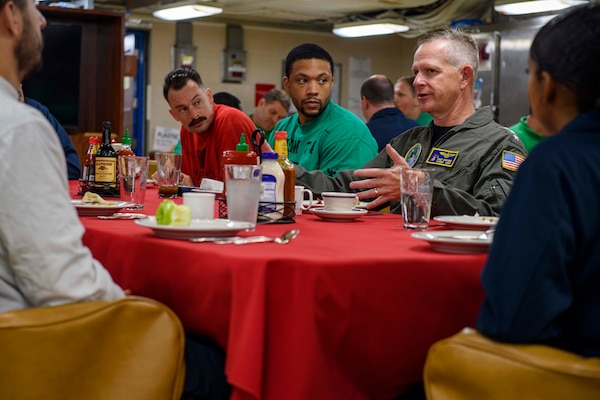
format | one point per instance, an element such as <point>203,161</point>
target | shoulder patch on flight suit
<point>511,160</point>
<point>442,157</point>
<point>412,155</point>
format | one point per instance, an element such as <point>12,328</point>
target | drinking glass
<point>416,189</point>
<point>168,168</point>
<point>133,172</point>
<point>243,191</point>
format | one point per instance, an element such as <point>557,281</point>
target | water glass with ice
<point>242,183</point>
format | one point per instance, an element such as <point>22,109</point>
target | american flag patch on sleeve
<point>511,161</point>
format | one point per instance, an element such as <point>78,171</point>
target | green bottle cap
<point>126,139</point>
<point>242,145</point>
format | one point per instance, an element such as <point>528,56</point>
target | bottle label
<point>268,191</point>
<point>106,170</point>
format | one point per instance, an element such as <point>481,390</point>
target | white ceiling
<point>320,15</point>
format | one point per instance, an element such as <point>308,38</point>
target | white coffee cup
<point>201,204</point>
<point>339,201</point>
<point>299,192</point>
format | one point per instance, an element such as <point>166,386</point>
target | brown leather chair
<point>130,349</point>
<point>469,366</point>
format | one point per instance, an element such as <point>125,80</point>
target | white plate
<point>455,241</point>
<point>99,209</point>
<point>198,228</point>
<point>467,221</point>
<point>339,215</point>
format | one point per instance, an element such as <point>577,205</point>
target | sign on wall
<point>165,139</point>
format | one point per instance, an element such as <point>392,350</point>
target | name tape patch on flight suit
<point>412,155</point>
<point>442,157</point>
<point>511,161</point>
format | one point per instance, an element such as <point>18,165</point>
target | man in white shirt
<point>42,259</point>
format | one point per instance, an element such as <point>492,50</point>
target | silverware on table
<point>214,239</point>
<point>123,216</point>
<point>283,239</point>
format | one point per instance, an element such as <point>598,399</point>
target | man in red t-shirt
<point>207,129</point>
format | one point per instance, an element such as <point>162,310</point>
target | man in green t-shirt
<point>530,131</point>
<point>321,135</point>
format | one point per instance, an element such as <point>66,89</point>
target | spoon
<point>214,239</point>
<point>123,216</point>
<point>283,239</point>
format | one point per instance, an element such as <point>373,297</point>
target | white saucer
<point>459,241</point>
<point>339,215</point>
<point>319,204</point>
<point>99,209</point>
<point>473,222</point>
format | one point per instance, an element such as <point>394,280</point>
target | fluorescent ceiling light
<point>180,11</point>
<point>372,27</point>
<point>539,6</point>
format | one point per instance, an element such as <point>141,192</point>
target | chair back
<point>469,366</point>
<point>107,350</point>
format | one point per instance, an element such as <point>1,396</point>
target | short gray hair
<point>462,48</point>
<point>274,95</point>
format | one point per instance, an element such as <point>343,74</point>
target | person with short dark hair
<point>207,128</point>
<point>384,120</point>
<point>228,99</point>
<point>541,278</point>
<point>321,135</point>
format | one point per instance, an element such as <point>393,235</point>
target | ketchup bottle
<point>241,156</point>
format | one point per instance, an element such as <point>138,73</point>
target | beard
<point>312,112</point>
<point>28,49</point>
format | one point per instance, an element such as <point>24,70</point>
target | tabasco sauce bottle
<point>289,170</point>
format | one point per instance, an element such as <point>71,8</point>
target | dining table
<point>346,310</point>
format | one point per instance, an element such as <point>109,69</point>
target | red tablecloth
<point>347,310</point>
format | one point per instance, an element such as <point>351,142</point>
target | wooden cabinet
<point>96,82</point>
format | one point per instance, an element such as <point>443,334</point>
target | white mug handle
<point>310,199</point>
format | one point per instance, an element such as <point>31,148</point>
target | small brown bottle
<point>289,170</point>
<point>89,173</point>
